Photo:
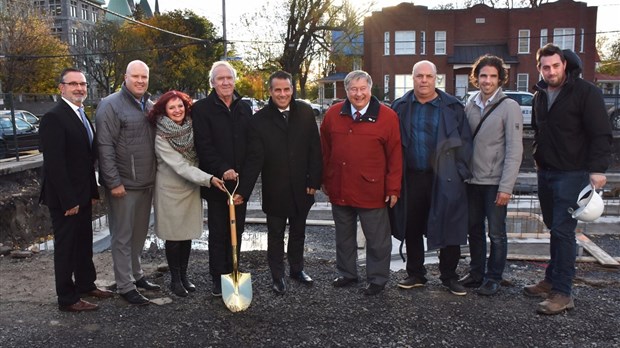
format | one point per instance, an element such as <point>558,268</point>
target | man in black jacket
<point>284,146</point>
<point>572,147</point>
<point>220,133</point>
<point>69,189</point>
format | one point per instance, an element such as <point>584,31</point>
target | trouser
<point>220,251</point>
<point>376,228</point>
<point>275,243</point>
<point>129,222</point>
<point>558,191</point>
<point>73,254</point>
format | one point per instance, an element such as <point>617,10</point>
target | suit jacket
<point>289,157</point>
<point>68,159</point>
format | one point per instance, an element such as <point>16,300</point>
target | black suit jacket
<point>68,160</point>
<point>288,155</point>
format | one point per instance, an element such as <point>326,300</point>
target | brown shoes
<point>99,293</point>
<point>540,289</point>
<point>79,306</point>
<point>556,303</point>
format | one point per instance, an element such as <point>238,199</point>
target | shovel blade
<point>237,291</point>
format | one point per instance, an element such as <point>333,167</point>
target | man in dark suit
<point>69,189</point>
<point>284,145</point>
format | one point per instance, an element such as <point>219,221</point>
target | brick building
<point>397,37</point>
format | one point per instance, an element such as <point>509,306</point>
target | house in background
<point>399,36</point>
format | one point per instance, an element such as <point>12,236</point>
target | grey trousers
<point>376,227</point>
<point>129,222</point>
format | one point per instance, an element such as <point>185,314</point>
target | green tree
<point>33,57</point>
<point>609,51</point>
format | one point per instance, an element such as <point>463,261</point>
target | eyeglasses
<point>75,84</point>
<point>354,90</point>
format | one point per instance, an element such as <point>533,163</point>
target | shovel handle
<point>233,224</point>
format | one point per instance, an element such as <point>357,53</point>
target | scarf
<point>180,137</point>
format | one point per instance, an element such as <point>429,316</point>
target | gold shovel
<point>236,287</point>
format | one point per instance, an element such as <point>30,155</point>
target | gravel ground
<point>318,316</point>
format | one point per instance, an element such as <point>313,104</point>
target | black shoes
<point>488,288</point>
<point>279,286</point>
<point>178,289</point>
<point>411,282</point>
<point>373,289</point>
<point>455,287</point>
<point>217,287</point>
<point>470,281</point>
<point>146,285</point>
<point>135,298</point>
<point>187,284</point>
<point>343,281</point>
<point>302,277</point>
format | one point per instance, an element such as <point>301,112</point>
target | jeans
<point>558,191</point>
<point>482,207</point>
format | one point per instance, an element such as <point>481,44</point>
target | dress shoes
<point>373,289</point>
<point>279,286</point>
<point>469,281</point>
<point>302,277</point>
<point>488,288</point>
<point>99,293</point>
<point>146,285</point>
<point>217,288</point>
<point>135,298</point>
<point>343,281</point>
<point>411,282</point>
<point>79,306</point>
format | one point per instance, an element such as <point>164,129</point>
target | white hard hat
<point>590,204</point>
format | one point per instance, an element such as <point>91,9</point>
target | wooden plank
<point>603,258</point>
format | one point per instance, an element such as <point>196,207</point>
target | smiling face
<point>137,78</point>
<point>175,110</point>
<point>73,87</point>
<point>223,82</point>
<point>488,79</point>
<point>281,92</point>
<point>552,70</point>
<point>358,93</point>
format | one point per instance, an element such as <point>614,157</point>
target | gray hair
<point>217,65</point>
<point>416,65</point>
<point>356,75</point>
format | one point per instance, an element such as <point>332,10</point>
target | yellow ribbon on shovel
<point>236,286</point>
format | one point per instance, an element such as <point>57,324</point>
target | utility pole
<point>224,29</point>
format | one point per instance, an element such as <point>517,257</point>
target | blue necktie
<point>86,125</point>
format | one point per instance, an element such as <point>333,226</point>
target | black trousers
<point>220,252</point>
<point>419,194</point>
<point>74,269</point>
<point>275,243</point>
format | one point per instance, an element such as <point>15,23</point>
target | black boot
<point>173,254</point>
<point>186,249</point>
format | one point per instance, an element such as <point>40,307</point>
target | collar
<point>480,103</point>
<point>362,111</point>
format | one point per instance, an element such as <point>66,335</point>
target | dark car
<point>24,115</point>
<point>614,117</point>
<point>27,136</point>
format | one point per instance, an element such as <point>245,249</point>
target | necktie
<point>86,125</point>
<point>357,116</point>
<point>285,116</point>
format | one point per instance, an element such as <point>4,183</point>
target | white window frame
<point>422,42</point>
<point>440,82</point>
<point>544,37</point>
<point>386,85</point>
<point>522,82</point>
<point>583,37</point>
<point>386,43</point>
<point>404,42</point>
<point>73,9</point>
<point>402,84</point>
<point>524,41</point>
<point>441,37</point>
<point>73,36</point>
<point>84,13</point>
<point>564,38</point>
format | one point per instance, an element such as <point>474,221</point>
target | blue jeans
<point>482,207</point>
<point>558,191</point>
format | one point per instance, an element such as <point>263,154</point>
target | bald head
<point>137,78</point>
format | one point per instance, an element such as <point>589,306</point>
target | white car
<point>316,108</point>
<point>524,99</point>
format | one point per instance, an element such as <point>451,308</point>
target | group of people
<point>426,167</point>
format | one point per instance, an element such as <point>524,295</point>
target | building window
<point>522,82</point>
<point>85,39</point>
<point>422,42</point>
<point>564,38</point>
<point>386,43</point>
<point>95,16</point>
<point>524,41</point>
<point>57,32</point>
<point>402,83</point>
<point>73,37</point>
<point>357,64</point>
<point>404,42</point>
<point>73,8</point>
<point>386,86</point>
<point>440,82</point>
<point>55,7</point>
<point>543,37</point>
<point>84,13</point>
<point>440,42</point>
<point>583,37</point>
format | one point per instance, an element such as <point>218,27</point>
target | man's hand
<point>310,191</point>
<point>72,211</point>
<point>237,199</point>
<point>392,199</point>
<point>230,175</point>
<point>502,198</point>
<point>598,180</point>
<point>118,191</point>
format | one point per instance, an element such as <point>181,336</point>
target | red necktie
<point>357,116</point>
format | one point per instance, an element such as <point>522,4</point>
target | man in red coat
<point>362,170</point>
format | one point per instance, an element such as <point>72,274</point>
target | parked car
<point>253,103</point>
<point>27,136</point>
<point>24,115</point>
<point>614,117</point>
<point>524,99</point>
<point>316,108</point>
